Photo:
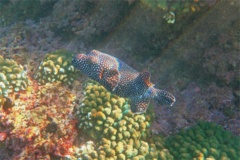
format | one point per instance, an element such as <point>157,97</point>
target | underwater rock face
<point>12,77</point>
<point>56,67</point>
<point>24,9</point>
<point>87,20</point>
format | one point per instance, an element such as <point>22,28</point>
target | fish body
<point>121,79</point>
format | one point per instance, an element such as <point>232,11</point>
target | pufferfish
<point>121,79</point>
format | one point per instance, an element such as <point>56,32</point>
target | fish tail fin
<point>162,97</point>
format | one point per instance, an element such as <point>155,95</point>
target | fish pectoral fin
<point>139,105</point>
<point>112,78</point>
<point>145,77</point>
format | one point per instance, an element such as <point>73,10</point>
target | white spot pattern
<point>120,79</point>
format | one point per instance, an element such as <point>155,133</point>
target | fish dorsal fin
<point>94,53</point>
<point>93,57</point>
<point>145,77</point>
<point>111,77</point>
<point>92,60</point>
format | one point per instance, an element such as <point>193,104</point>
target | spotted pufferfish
<point>121,79</point>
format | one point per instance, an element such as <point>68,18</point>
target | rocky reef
<point>42,123</point>
<point>38,123</point>
<point>191,48</point>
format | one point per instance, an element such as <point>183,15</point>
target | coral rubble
<point>40,123</point>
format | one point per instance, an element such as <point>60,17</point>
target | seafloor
<point>191,49</point>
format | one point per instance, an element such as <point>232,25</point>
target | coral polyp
<point>108,119</point>
<point>205,140</point>
<point>56,67</point>
<point>12,77</point>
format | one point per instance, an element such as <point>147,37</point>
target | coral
<point>170,17</point>
<point>86,151</point>
<point>40,123</point>
<point>1,101</point>
<point>185,6</point>
<point>207,45</point>
<point>158,143</point>
<point>12,77</point>
<point>108,119</point>
<point>204,140</point>
<point>56,67</point>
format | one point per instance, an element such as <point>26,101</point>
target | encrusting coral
<point>12,77</point>
<point>40,124</point>
<point>108,119</point>
<point>56,67</point>
<point>205,140</point>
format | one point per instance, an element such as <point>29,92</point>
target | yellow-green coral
<point>119,134</point>
<point>108,119</point>
<point>87,151</point>
<point>56,67</point>
<point>1,101</point>
<point>12,77</point>
<point>180,6</point>
<point>204,141</point>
